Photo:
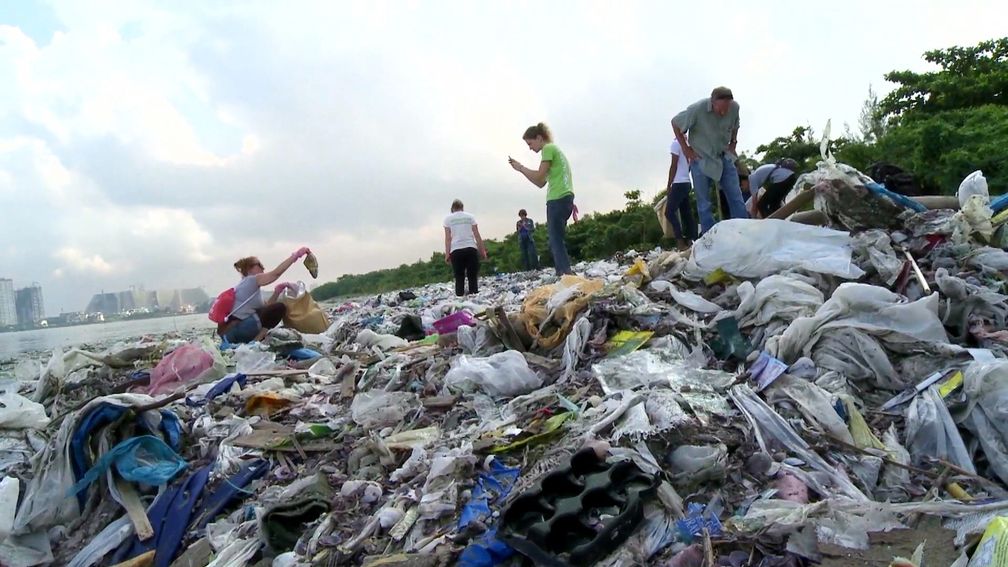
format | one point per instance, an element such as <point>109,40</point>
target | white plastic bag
<point>505,374</point>
<point>10,487</point>
<point>250,358</point>
<point>750,248</point>
<point>974,184</point>
<point>18,412</point>
<point>376,409</point>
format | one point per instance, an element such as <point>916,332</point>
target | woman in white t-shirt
<point>463,247</point>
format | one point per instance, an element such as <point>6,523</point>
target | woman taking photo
<point>554,173</point>
<point>252,317</point>
<point>463,247</point>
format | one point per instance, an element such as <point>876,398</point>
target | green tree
<point>968,77</point>
<point>872,123</point>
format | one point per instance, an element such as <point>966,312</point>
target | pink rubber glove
<point>300,252</point>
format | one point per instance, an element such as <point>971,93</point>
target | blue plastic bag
<point>145,459</point>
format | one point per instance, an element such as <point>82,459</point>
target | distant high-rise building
<point>8,309</point>
<point>30,308</point>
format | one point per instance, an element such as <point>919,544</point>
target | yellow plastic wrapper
<point>993,548</point>
<point>311,264</point>
<point>625,342</point>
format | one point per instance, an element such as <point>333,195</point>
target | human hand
<point>300,252</point>
<point>447,259</point>
<point>690,154</point>
<point>282,287</point>
<point>731,147</point>
<point>484,254</point>
<point>514,163</point>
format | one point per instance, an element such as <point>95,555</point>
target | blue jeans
<point>557,213</point>
<point>244,331</point>
<point>530,258</point>
<point>729,183</point>
<point>678,202</point>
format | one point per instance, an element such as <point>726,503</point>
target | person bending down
<point>463,247</point>
<point>252,317</point>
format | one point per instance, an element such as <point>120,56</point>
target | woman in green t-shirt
<point>554,173</point>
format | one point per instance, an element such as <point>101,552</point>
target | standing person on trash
<point>554,173</point>
<point>771,183</point>
<point>525,228</point>
<point>712,124</point>
<point>252,317</point>
<point>463,247</point>
<point>677,203</point>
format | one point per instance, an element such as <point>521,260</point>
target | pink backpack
<point>222,306</point>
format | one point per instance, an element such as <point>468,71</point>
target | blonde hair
<point>245,264</point>
<point>540,129</point>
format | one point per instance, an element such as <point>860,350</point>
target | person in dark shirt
<point>525,228</point>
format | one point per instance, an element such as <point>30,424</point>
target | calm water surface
<point>13,344</point>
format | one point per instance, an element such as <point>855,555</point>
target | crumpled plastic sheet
<point>874,247</point>
<point>574,346</point>
<point>814,403</point>
<point>18,412</point>
<point>868,317</point>
<point>478,340</point>
<point>780,297</point>
<point>930,431</point>
<point>696,386</point>
<point>769,426</point>
<point>686,298</point>
<point>750,248</point>
<point>985,385</point>
<point>987,257</point>
<point>967,300</point>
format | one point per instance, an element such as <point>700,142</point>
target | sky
<point>154,143</point>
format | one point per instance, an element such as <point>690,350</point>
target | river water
<point>13,344</point>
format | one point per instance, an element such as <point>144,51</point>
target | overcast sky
<point>149,142</point>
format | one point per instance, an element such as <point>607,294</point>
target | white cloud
<point>77,260</point>
<point>154,143</point>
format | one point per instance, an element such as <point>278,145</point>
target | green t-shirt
<point>558,178</point>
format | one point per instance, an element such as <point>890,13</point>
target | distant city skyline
<point>22,307</point>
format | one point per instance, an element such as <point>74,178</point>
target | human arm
<point>273,275</point>
<point>686,148</point>
<point>734,140</point>
<point>447,245</point>
<point>672,170</point>
<point>536,176</point>
<point>479,242</point>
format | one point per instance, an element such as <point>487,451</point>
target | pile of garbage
<point>783,394</point>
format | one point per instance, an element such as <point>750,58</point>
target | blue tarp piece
<point>231,489</point>
<point>169,516</point>
<point>303,354</point>
<point>486,551</point>
<point>222,386</point>
<point>145,459</point>
<point>999,204</point>
<point>490,488</point>
<point>695,522</point>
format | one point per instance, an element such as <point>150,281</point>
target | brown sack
<point>304,315</point>
<point>666,226</point>
<point>549,330</point>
